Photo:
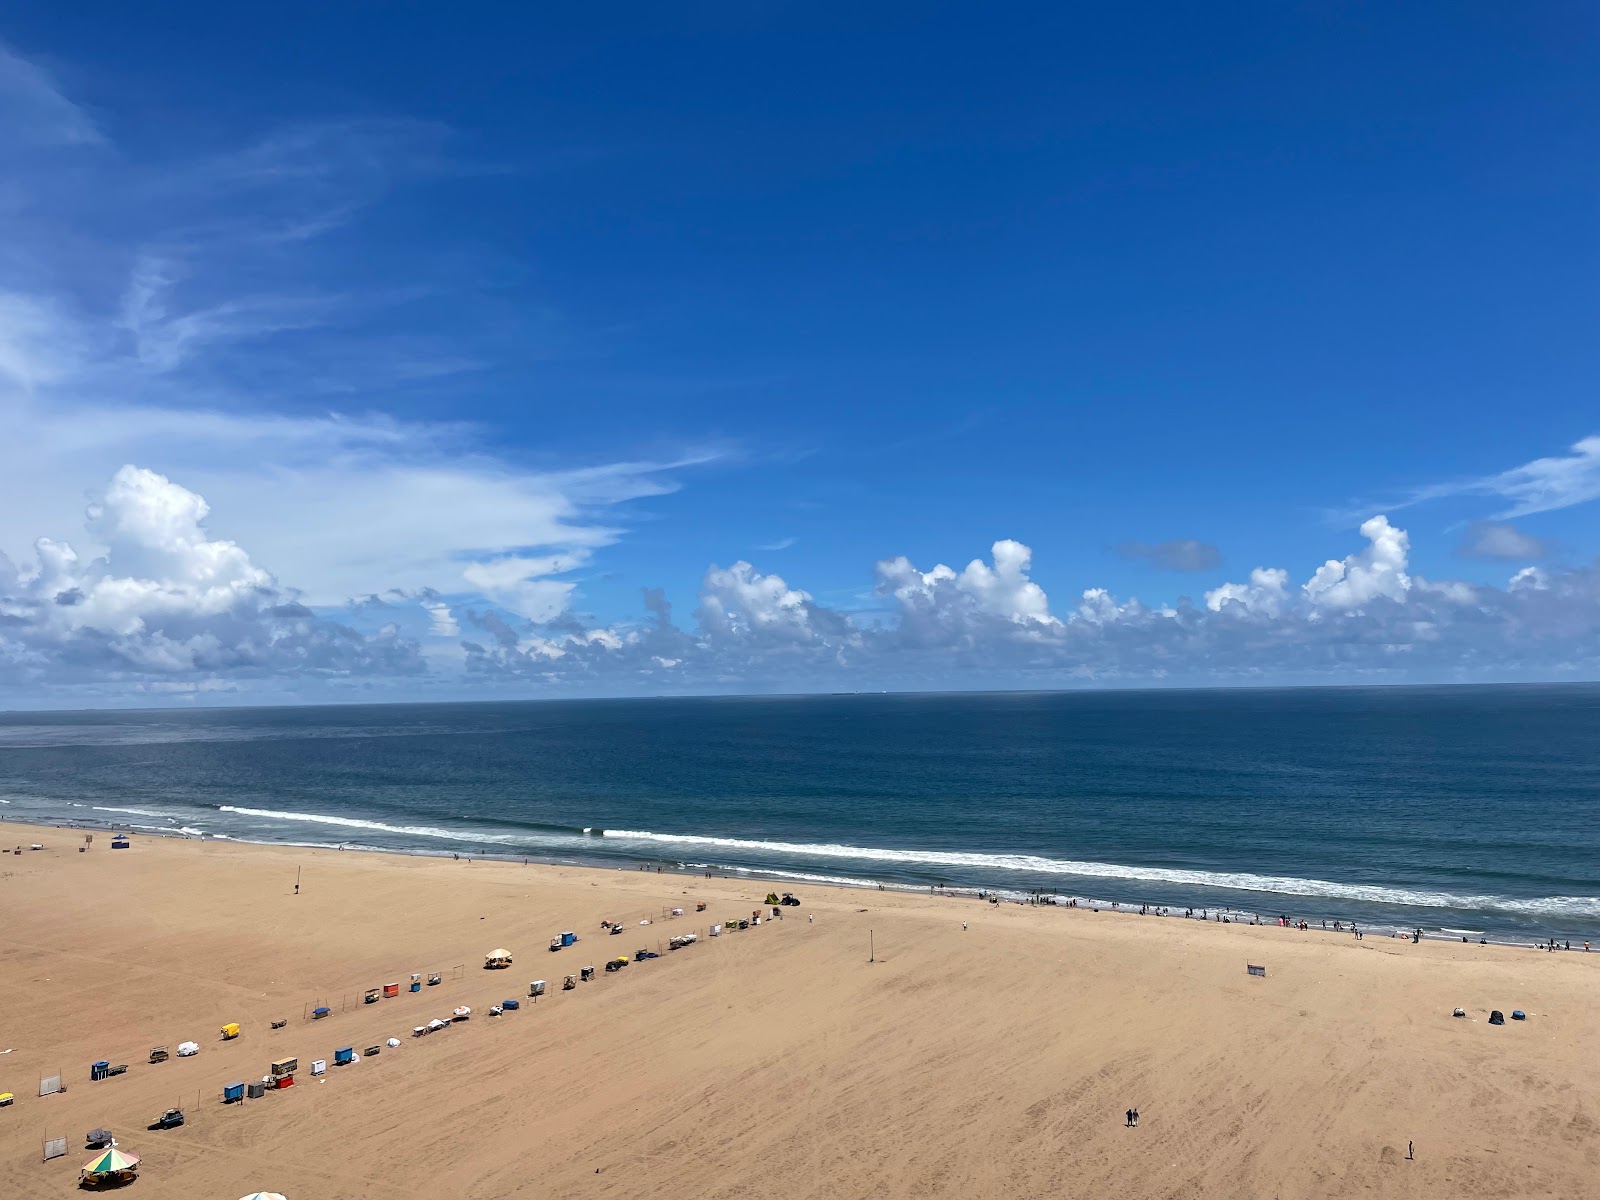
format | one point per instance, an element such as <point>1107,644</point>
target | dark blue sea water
<point>1449,808</point>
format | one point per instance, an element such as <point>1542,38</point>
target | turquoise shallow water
<point>1450,808</point>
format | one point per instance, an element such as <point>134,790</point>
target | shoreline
<point>1040,898</point>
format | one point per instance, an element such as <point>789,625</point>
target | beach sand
<point>777,1062</point>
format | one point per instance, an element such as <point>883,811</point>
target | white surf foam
<point>1232,880</point>
<point>132,812</point>
<point>452,835</point>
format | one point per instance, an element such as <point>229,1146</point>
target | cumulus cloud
<point>1378,571</point>
<point>943,606</point>
<point>1502,540</point>
<point>163,600</point>
<point>1183,554</point>
<point>1266,594</point>
<point>167,601</point>
<point>741,603</point>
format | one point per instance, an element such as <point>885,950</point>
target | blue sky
<point>500,317</point>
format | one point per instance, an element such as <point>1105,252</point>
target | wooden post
<point>872,950</point>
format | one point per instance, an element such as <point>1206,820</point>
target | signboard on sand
<point>1255,970</point>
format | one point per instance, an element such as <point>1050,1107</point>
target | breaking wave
<point>1232,880</point>
<point>430,831</point>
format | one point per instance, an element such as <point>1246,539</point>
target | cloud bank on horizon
<point>165,609</point>
<point>200,498</point>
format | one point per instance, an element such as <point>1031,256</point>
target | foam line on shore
<point>430,831</point>
<point>1240,881</point>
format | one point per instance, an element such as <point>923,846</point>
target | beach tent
<point>1497,1017</point>
<point>111,1162</point>
<point>392,1043</point>
<point>230,1031</point>
<point>188,1049</point>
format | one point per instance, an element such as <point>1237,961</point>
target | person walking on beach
<point>1136,1118</point>
<point>1129,1115</point>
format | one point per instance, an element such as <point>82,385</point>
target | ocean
<point>1461,809</point>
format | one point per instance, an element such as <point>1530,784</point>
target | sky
<point>396,352</point>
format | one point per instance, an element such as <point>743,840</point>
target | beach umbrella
<point>264,1196</point>
<point>110,1162</point>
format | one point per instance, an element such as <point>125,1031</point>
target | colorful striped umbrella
<point>110,1163</point>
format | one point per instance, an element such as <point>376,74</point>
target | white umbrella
<point>264,1196</point>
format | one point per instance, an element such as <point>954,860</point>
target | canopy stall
<point>111,1162</point>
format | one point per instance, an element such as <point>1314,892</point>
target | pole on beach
<point>872,949</point>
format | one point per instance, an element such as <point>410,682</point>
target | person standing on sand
<point>1136,1118</point>
<point>1129,1116</point>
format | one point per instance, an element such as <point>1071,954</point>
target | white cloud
<point>1377,572</point>
<point>443,622</point>
<point>1530,579</point>
<point>166,599</point>
<point>1542,485</point>
<point>176,317</point>
<point>1266,593</point>
<point>942,604</point>
<point>521,584</point>
<point>1549,483</point>
<point>741,603</point>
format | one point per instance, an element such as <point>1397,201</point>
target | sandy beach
<point>992,1061</point>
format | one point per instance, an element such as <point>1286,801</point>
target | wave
<point>452,835</point>
<point>132,812</point>
<point>1242,881</point>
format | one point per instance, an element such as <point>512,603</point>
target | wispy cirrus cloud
<point>192,312</point>
<point>1541,485</point>
<point>40,114</point>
